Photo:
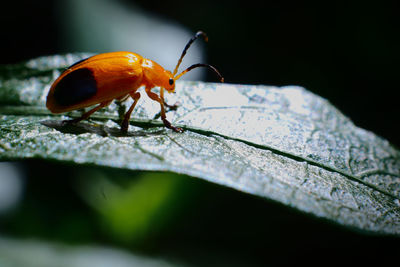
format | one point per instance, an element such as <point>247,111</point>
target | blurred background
<point>346,52</point>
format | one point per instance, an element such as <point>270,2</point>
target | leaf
<point>284,144</point>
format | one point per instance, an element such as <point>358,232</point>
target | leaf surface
<point>284,144</point>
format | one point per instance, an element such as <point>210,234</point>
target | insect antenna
<point>200,65</point>
<point>197,35</point>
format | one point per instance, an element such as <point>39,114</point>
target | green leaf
<point>284,144</point>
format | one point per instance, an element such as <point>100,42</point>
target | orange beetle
<point>117,75</point>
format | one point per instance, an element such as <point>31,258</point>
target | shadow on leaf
<point>80,128</point>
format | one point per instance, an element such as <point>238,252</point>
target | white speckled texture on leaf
<point>284,144</point>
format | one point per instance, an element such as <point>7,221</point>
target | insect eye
<point>171,81</point>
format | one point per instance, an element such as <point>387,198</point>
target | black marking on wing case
<point>78,62</point>
<point>75,87</point>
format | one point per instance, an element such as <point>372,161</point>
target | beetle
<point>100,79</point>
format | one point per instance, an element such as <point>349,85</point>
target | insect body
<point>117,75</point>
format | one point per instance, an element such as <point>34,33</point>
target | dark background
<point>346,52</point>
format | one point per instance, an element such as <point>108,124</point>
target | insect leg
<point>125,122</point>
<point>167,124</point>
<point>90,112</point>
<point>123,98</point>
<point>172,107</point>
